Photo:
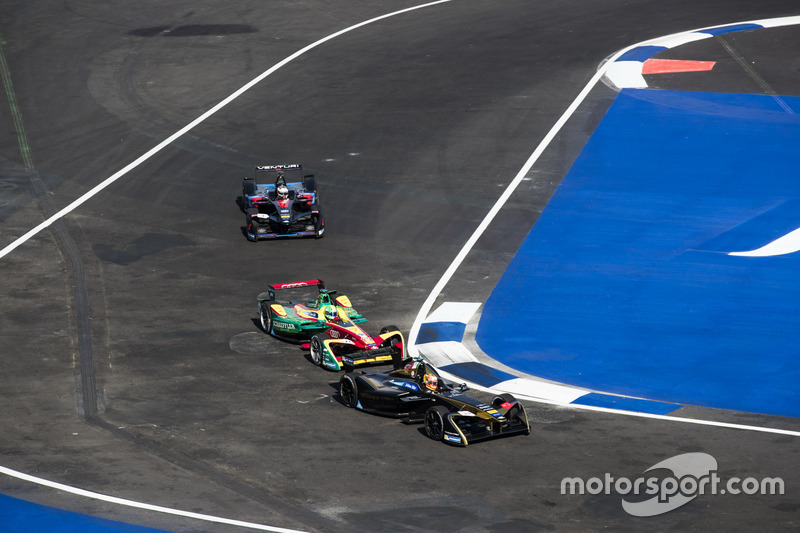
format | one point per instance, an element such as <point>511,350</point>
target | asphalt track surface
<point>145,294</point>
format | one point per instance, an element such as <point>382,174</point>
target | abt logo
<point>692,474</point>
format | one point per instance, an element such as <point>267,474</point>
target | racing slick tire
<point>316,350</point>
<point>386,329</point>
<point>434,421</point>
<point>517,412</point>
<point>265,318</point>
<point>319,227</point>
<point>348,390</point>
<point>251,225</point>
<point>497,401</point>
<point>248,188</point>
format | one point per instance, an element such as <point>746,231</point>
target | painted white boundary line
<point>111,179</point>
<point>139,505</point>
<point>684,420</point>
<point>172,138</point>
<point>623,412</point>
<point>604,68</point>
<point>445,279</point>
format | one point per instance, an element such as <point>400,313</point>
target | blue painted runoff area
<point>483,375</point>
<point>441,332</point>
<point>626,278</point>
<point>626,404</point>
<point>19,516</point>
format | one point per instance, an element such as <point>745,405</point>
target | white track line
<point>172,138</point>
<point>111,179</point>
<point>139,505</point>
<point>788,244</point>
<point>445,279</point>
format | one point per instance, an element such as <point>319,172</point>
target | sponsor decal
<point>452,438</point>
<point>465,413</point>
<point>278,167</point>
<point>282,325</point>
<point>405,384</point>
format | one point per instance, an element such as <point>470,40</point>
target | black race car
<point>280,202</point>
<point>415,392</point>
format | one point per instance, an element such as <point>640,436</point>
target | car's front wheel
<point>316,348</point>
<point>498,401</point>
<point>319,227</point>
<point>348,390</point>
<point>434,421</point>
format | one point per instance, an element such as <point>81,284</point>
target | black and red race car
<point>281,201</point>
<point>415,392</point>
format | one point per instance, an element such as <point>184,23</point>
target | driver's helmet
<point>430,381</point>
<point>330,313</point>
<point>283,192</point>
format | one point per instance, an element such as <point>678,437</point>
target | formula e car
<point>415,392</point>
<point>329,327</point>
<point>280,201</point>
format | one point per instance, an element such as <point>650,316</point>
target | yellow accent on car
<point>344,301</point>
<point>279,310</point>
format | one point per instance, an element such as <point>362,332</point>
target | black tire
<point>310,184</point>
<point>319,227</point>
<point>251,227</point>
<point>497,401</point>
<point>316,349</point>
<point>392,342</point>
<point>265,317</point>
<point>434,421</point>
<point>348,390</point>
<point>248,188</point>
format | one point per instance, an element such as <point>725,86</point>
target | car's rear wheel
<point>316,348</point>
<point>265,317</point>
<point>434,421</point>
<point>348,390</point>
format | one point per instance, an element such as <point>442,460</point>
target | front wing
<point>354,358</point>
<point>272,229</point>
<point>463,427</point>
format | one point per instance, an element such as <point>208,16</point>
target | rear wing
<point>277,168</point>
<point>269,175</point>
<point>294,285</point>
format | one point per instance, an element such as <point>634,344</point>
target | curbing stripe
<point>626,71</point>
<point>438,344</point>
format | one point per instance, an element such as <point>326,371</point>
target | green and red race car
<point>327,325</point>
